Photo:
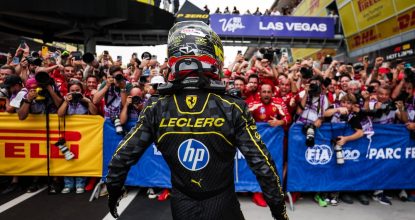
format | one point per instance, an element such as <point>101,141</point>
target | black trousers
<point>222,206</point>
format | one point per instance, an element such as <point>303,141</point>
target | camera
<point>76,97</point>
<point>388,106</point>
<point>136,100</point>
<point>328,59</point>
<point>344,117</point>
<point>34,60</point>
<point>267,53</point>
<point>306,73</point>
<point>309,130</point>
<point>146,56</point>
<point>119,78</point>
<point>118,126</point>
<point>358,67</point>
<point>370,89</point>
<point>314,89</point>
<point>339,152</point>
<point>235,92</point>
<point>64,149</point>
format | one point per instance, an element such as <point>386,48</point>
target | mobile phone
<point>366,58</point>
<point>16,60</point>
<point>106,52</point>
<point>239,52</point>
<point>119,58</point>
<point>77,55</point>
<point>45,51</point>
<point>22,44</point>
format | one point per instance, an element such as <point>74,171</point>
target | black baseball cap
<point>11,80</point>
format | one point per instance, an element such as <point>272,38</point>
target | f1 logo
<point>193,155</point>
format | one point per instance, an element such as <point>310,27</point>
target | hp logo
<point>193,154</point>
<point>318,155</point>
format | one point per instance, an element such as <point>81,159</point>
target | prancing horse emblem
<point>191,101</point>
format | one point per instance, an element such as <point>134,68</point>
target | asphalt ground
<point>71,206</point>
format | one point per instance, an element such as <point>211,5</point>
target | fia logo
<point>318,155</point>
<point>191,101</point>
<point>193,155</point>
<point>232,24</point>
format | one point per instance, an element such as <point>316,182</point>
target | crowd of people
<point>310,92</point>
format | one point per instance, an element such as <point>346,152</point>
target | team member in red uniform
<point>273,111</point>
<point>269,109</point>
<point>251,91</point>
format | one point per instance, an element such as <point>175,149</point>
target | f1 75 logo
<point>193,155</point>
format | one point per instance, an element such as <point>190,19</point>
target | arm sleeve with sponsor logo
<point>259,159</point>
<point>131,148</point>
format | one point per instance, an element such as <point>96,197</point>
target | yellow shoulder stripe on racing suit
<point>192,113</point>
<point>249,132</point>
<point>190,132</point>
<point>137,128</point>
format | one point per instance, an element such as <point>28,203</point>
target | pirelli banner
<point>23,149</point>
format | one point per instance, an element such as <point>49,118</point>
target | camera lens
<point>136,100</point>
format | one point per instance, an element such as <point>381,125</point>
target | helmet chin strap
<point>202,81</point>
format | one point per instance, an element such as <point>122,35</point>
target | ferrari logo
<point>191,101</point>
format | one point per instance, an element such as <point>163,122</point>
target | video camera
<point>267,53</point>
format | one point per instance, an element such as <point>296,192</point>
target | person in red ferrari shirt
<point>275,113</point>
<point>251,89</point>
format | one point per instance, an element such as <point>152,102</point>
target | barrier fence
<point>385,161</point>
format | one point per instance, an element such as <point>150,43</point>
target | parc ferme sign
<point>267,26</point>
<point>23,145</point>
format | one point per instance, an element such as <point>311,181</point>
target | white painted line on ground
<point>19,199</point>
<point>123,204</point>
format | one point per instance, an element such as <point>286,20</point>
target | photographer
<point>114,91</point>
<point>40,95</point>
<point>133,106</point>
<point>387,111</point>
<point>313,103</point>
<point>346,113</point>
<point>75,104</point>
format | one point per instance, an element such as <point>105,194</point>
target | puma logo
<point>197,182</point>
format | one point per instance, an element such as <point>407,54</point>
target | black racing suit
<point>197,133</point>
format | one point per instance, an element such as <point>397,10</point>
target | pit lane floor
<point>42,206</point>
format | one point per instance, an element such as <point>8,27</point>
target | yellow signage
<point>347,20</point>
<point>398,24</point>
<point>370,12</point>
<point>23,150</point>
<point>312,8</point>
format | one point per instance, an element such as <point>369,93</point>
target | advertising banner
<point>385,160</point>
<point>391,27</point>
<point>267,26</point>
<point>152,171</point>
<point>23,148</point>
